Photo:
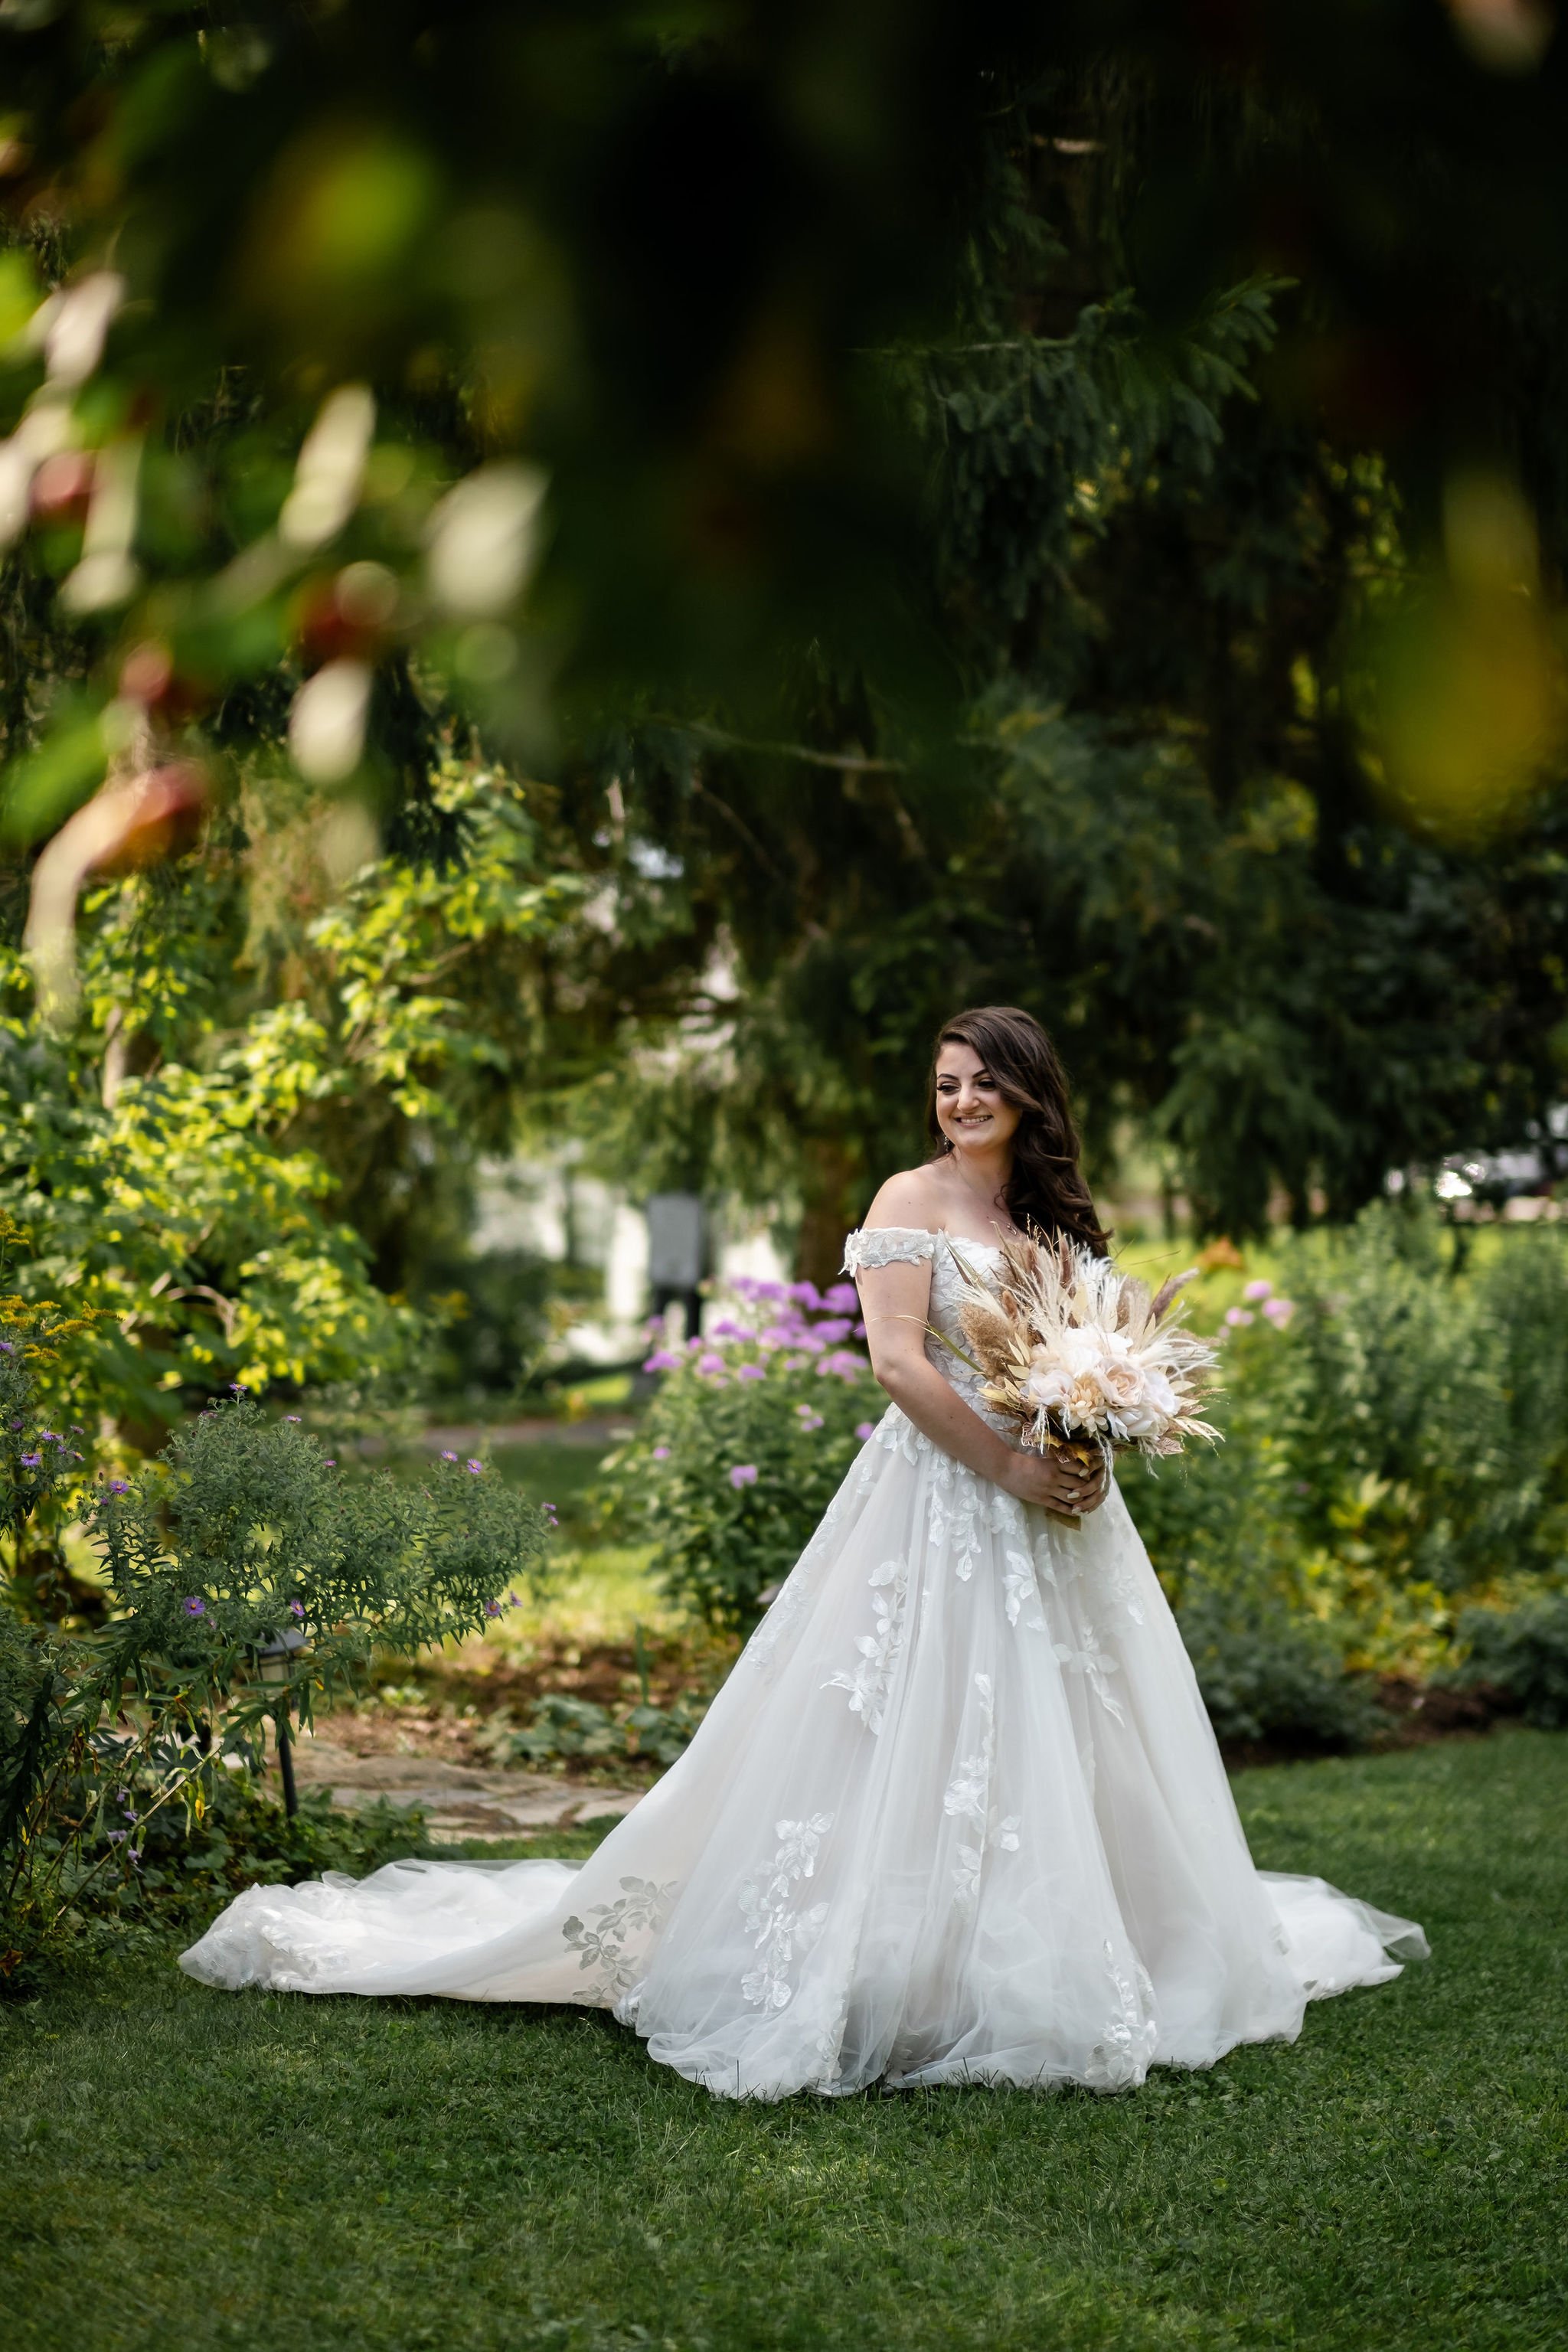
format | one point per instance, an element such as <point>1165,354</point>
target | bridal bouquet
<point>1082,1356</point>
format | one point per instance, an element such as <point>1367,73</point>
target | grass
<point>181,2169</point>
<point>601,1586</point>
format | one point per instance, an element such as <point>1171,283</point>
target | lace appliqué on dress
<point>867,1683</point>
<point>782,1932</point>
<point>887,1246</point>
<point>1125,2050</point>
<point>896,1433</point>
<point>1018,1586</point>
<point>1090,1661</point>
<point>968,1797</point>
<point>639,1914</point>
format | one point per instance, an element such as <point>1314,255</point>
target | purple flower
<point>843,1299</point>
<point>1280,1311</point>
<point>709,1363</point>
<point>447,1455</point>
<point>291,1416</point>
<point>50,1438</point>
<point>1255,1291</point>
<point>474,1466</point>
<point>806,1294</point>
<point>865,1429</point>
<point>744,1473</point>
<point>492,1608</point>
<point>7,1346</point>
<point>727,1329</point>
<point>194,1605</point>
<point>32,1461</point>
<point>296,1609</point>
<point>119,1486</point>
<point>1238,1315</point>
<point>117,1837</point>
<point>751,1373</point>
<point>661,1452</point>
<point>331,1463</point>
<point>661,1361</point>
<point>837,1327</point>
<point>134,1854</point>
<point>808,1420</point>
<point>239,1388</point>
<point>15,1424</point>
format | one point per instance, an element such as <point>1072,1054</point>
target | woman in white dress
<point>958,1814</point>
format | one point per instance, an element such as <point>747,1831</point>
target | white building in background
<point>546,1206</point>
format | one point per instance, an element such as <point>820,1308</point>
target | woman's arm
<point>896,1305</point>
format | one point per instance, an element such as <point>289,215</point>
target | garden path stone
<point>460,1800</point>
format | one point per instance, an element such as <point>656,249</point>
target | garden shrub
<point>1523,1653</point>
<point>1427,1369</point>
<point>243,1537</point>
<point>1266,1675</point>
<point>1395,1435</point>
<point>189,1860</point>
<point>748,1438</point>
<point>564,1729</point>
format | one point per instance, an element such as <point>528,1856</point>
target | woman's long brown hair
<point>1046,1187</point>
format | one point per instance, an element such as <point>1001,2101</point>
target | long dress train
<point>957,1815</point>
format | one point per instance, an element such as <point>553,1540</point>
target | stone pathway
<point>460,1800</point>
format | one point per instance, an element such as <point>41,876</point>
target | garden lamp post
<point>281,1646</point>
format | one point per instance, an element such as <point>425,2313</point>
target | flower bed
<point>748,1437</point>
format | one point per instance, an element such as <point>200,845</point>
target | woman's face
<point>970,1109</point>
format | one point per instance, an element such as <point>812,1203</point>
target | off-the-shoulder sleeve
<point>887,1246</point>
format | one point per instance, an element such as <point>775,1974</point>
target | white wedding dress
<point>956,1816</point>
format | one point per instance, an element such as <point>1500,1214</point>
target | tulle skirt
<point>957,1815</point>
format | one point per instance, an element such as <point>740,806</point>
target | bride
<point>958,1814</point>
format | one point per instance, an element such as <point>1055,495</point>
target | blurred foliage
<point>1082,521</point>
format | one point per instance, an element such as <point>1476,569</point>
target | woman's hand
<point>1064,1480</point>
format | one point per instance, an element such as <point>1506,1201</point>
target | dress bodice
<point>956,1264</point>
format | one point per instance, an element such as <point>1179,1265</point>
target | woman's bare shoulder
<point>913,1199</point>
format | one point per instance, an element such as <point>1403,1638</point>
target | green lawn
<point>181,2169</point>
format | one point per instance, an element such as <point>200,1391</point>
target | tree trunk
<point>832,1178</point>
